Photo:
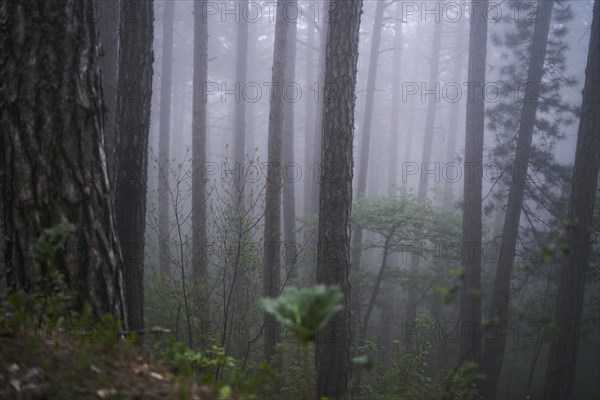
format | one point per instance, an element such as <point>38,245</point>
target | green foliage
<point>50,241</point>
<point>305,311</point>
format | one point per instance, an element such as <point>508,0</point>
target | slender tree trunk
<point>493,350</point>
<point>163,139</point>
<point>333,351</point>
<point>133,125</point>
<point>378,282</point>
<point>314,204</point>
<point>411,310</point>
<point>272,238</point>
<point>470,294</point>
<point>289,201</point>
<point>199,235</point>
<point>560,374</point>
<point>108,27</point>
<point>364,156</point>
<point>396,100</point>
<point>52,152</point>
<point>309,134</point>
<point>240,106</point>
<point>455,112</point>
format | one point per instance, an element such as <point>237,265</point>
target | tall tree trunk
<point>364,156</point>
<point>52,155</point>
<point>133,125</point>
<point>493,350</point>
<point>199,134</point>
<point>560,375</point>
<point>411,310</point>
<point>318,133</point>
<point>289,201</point>
<point>108,27</point>
<point>455,112</point>
<point>163,138</point>
<point>272,238</point>
<point>333,366</point>
<point>309,124</point>
<point>470,293</point>
<point>396,99</point>
<point>240,106</point>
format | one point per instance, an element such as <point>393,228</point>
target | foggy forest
<point>300,199</point>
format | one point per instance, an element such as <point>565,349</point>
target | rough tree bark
<point>333,351</point>
<point>272,237</point>
<point>52,155</point>
<point>163,137</point>
<point>493,350</point>
<point>108,27</point>
<point>560,374</point>
<point>470,293</point>
<point>133,124</point>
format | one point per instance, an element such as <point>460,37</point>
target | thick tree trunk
<point>52,154</point>
<point>133,125</point>
<point>199,115</point>
<point>333,365</point>
<point>493,350</point>
<point>163,138</point>
<point>361,189</point>
<point>108,27</point>
<point>272,238</point>
<point>560,375</point>
<point>470,294</point>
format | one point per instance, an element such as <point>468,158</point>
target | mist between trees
<point>389,199</point>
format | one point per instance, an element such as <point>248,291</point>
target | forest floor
<point>53,365</point>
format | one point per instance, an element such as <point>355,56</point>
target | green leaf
<point>305,311</point>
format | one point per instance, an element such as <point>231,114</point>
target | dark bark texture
<point>333,365</point>
<point>53,162</point>
<point>108,27</point>
<point>133,124</point>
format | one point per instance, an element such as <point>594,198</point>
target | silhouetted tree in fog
<point>272,237</point>
<point>560,374</point>
<point>493,350</point>
<point>166,76</point>
<point>470,291</point>
<point>361,188</point>
<point>199,236</point>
